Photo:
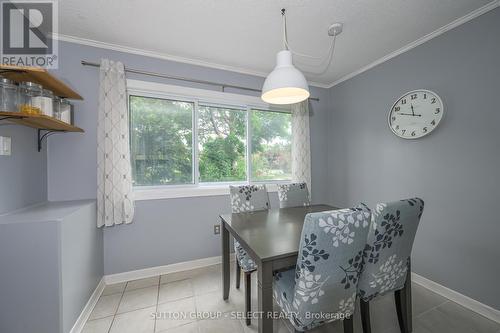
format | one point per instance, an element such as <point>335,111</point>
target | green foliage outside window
<point>271,145</point>
<point>222,147</point>
<point>162,143</point>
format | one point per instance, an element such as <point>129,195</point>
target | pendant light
<point>286,84</point>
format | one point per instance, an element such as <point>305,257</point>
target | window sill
<point>158,193</point>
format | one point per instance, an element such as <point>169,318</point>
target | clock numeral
<point>433,122</point>
<point>397,127</point>
<point>433,100</point>
<point>403,101</point>
<point>413,133</point>
<point>393,118</point>
<point>437,110</point>
<point>397,108</point>
<point>425,96</point>
<point>424,129</point>
<point>414,96</point>
<point>403,131</point>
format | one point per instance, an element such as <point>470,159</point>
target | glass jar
<point>8,95</point>
<point>56,112</point>
<point>66,111</point>
<point>44,102</point>
<point>48,103</point>
<point>28,92</point>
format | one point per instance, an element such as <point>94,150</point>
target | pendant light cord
<point>327,57</point>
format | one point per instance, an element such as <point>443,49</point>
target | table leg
<point>265,297</point>
<point>225,261</point>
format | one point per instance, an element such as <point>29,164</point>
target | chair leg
<point>404,305</point>
<point>365,316</point>
<point>401,309</point>
<point>409,303</point>
<point>348,325</point>
<point>238,274</point>
<point>248,297</point>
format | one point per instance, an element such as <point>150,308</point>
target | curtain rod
<point>180,78</point>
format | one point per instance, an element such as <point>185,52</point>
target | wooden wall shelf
<point>40,76</point>
<point>45,125</point>
<point>39,121</point>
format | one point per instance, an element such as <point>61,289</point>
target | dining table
<point>272,239</point>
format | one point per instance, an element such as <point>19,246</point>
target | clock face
<point>416,114</point>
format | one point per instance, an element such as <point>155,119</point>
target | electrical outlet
<point>216,229</point>
<point>5,145</point>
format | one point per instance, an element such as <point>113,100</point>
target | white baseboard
<point>87,309</point>
<point>465,301</point>
<point>166,269</point>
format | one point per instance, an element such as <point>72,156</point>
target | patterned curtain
<point>115,204</point>
<point>301,146</point>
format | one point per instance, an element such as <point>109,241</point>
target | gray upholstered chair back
<point>293,195</point>
<point>248,198</point>
<point>387,253</point>
<point>327,272</point>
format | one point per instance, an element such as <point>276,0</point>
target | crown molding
<point>165,56</point>
<point>464,19</point>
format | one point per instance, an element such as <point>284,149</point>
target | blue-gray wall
<point>455,169</point>
<point>23,175</point>
<point>161,227</point>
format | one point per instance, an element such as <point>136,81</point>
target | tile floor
<point>129,307</point>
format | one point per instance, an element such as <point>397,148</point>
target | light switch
<point>5,145</point>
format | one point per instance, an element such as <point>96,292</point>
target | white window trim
<point>144,193</point>
<point>160,90</point>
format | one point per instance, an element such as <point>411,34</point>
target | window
<point>222,144</point>
<point>161,141</point>
<point>200,140</point>
<point>271,145</point>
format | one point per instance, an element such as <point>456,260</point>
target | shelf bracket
<point>45,135</point>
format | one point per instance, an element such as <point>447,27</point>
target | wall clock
<point>416,114</point>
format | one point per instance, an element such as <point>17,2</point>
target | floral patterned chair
<point>246,198</point>
<point>386,259</point>
<point>293,195</point>
<point>323,286</point>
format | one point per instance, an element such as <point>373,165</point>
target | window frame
<point>203,97</point>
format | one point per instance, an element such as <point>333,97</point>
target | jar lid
<point>31,85</point>
<point>5,80</point>
<point>48,92</point>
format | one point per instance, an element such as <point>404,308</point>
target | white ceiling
<point>244,35</point>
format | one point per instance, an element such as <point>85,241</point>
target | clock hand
<point>409,114</point>
<point>412,111</point>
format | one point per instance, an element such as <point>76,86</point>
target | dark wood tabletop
<point>270,234</point>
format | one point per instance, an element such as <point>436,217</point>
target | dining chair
<point>323,286</point>
<point>246,198</point>
<point>293,195</point>
<point>386,260</point>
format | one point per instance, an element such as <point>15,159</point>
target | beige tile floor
<point>129,307</point>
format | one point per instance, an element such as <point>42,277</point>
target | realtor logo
<point>27,30</point>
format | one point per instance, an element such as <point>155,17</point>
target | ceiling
<point>245,35</point>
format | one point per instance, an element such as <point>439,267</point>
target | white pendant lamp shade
<point>285,84</point>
